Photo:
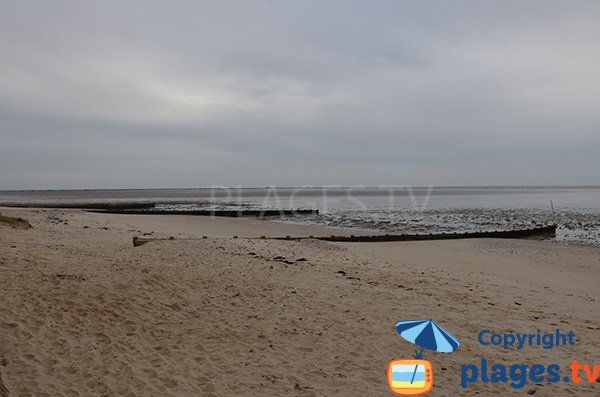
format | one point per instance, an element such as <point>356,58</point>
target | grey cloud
<point>193,93</point>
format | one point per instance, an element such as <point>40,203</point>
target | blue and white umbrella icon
<point>427,335</point>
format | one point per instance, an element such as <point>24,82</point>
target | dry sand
<point>84,313</point>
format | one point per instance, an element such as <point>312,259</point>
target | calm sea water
<point>397,209</point>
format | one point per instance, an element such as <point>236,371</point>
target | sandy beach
<point>84,313</point>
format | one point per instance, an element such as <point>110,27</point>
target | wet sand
<point>83,312</point>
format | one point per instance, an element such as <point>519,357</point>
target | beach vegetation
<point>17,223</point>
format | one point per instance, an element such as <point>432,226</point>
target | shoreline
<point>474,210</point>
<point>83,312</point>
<point>318,230</point>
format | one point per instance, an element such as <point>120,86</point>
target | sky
<point>150,94</point>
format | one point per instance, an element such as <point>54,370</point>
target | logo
<point>410,377</point>
<point>414,377</point>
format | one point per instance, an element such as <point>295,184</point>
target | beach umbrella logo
<point>414,377</point>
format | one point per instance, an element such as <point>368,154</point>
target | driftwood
<point>3,389</point>
<point>138,241</point>
<point>141,241</point>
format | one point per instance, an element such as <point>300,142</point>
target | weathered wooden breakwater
<point>225,213</point>
<point>543,231</point>
<point>85,206</point>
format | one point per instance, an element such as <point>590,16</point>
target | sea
<point>389,209</point>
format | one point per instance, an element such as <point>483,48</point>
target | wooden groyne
<point>86,206</point>
<point>150,209</point>
<point>224,213</point>
<point>544,231</point>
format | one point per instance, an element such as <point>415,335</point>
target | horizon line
<point>382,186</point>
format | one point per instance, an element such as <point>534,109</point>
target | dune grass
<point>18,223</point>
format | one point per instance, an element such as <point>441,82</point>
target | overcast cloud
<point>196,93</point>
